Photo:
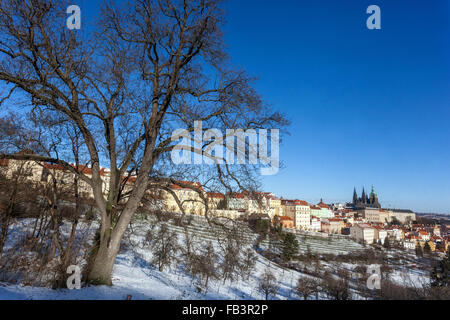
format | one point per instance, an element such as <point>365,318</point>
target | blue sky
<point>367,106</point>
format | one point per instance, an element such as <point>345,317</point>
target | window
<point>45,174</point>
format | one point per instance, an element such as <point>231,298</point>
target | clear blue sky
<point>367,106</point>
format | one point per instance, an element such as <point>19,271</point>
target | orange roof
<point>129,179</point>
<point>53,166</point>
<point>286,218</point>
<point>4,162</point>
<point>187,183</point>
<point>301,203</point>
<point>323,205</point>
<point>81,168</point>
<point>87,170</point>
<point>215,195</point>
<point>241,195</point>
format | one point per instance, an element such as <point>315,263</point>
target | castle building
<point>365,201</point>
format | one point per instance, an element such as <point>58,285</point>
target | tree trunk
<point>102,267</point>
<point>111,236</point>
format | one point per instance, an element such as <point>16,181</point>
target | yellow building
<point>189,199</point>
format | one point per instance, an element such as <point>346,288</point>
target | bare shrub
<point>336,289</point>
<point>203,266</point>
<point>307,287</point>
<point>164,246</point>
<point>248,263</point>
<point>268,284</point>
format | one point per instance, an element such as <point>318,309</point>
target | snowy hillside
<point>134,274</point>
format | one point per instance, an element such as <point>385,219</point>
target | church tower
<point>364,197</point>
<point>355,196</point>
<point>373,200</point>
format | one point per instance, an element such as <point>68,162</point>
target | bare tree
<point>231,245</point>
<point>13,195</point>
<point>268,284</point>
<point>307,287</point>
<point>164,246</point>
<point>336,289</point>
<point>248,263</point>
<point>204,265</point>
<point>147,68</point>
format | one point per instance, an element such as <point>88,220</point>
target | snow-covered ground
<point>134,275</point>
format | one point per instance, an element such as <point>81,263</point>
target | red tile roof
<point>323,205</point>
<point>215,195</point>
<point>80,168</point>
<point>52,166</point>
<point>182,185</point>
<point>301,203</point>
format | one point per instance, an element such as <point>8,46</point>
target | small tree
<point>387,243</point>
<point>248,263</point>
<point>164,247</point>
<point>205,265</point>
<point>306,287</point>
<point>440,276</point>
<point>386,270</point>
<point>231,258</point>
<point>395,222</point>
<point>268,284</point>
<point>290,246</point>
<point>262,226</point>
<point>427,248</point>
<point>419,251</point>
<point>336,289</point>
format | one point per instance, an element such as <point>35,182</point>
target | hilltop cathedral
<point>365,201</point>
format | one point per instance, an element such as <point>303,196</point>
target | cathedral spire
<point>355,195</point>
<point>363,196</point>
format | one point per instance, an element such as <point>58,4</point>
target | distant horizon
<point>317,200</point>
